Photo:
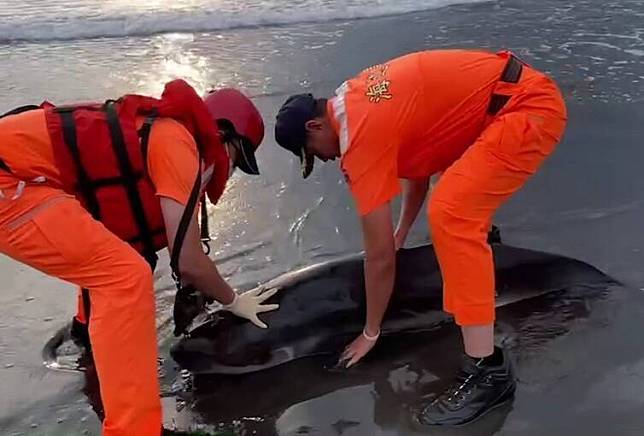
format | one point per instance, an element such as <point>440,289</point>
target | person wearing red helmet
<point>90,192</point>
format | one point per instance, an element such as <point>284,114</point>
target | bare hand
<point>356,350</point>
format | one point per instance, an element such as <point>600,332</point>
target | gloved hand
<point>248,305</point>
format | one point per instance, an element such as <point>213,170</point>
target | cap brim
<point>246,160</point>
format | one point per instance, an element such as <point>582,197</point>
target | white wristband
<point>370,338</point>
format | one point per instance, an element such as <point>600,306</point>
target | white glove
<point>248,305</point>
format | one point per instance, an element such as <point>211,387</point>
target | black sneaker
<point>479,387</point>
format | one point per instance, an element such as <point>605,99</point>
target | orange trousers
<point>49,230</point>
<point>511,148</point>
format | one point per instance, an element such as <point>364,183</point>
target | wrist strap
<point>370,338</point>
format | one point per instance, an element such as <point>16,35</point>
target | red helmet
<point>229,106</point>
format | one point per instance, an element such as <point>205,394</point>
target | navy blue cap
<point>290,130</point>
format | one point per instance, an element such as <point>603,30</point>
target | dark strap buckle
<point>512,71</point>
<point>511,74</point>
<point>205,233</point>
<point>206,245</point>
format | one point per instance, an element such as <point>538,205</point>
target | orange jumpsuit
<point>427,112</point>
<point>48,229</point>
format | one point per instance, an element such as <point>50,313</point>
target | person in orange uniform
<point>484,121</point>
<point>89,193</point>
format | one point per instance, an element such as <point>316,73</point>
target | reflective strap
<point>340,113</point>
<point>4,167</point>
<point>19,189</point>
<point>31,213</point>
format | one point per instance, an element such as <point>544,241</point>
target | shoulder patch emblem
<point>378,83</point>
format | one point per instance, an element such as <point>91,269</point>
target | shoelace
<point>460,390</point>
<point>457,393</point>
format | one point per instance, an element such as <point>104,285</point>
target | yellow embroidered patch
<point>378,84</point>
<point>379,91</point>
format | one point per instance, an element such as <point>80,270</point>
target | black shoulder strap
<point>20,109</point>
<point>130,182</point>
<point>144,135</point>
<point>183,227</point>
<point>85,185</point>
<point>205,233</point>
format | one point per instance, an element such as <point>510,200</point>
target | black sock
<point>494,359</point>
